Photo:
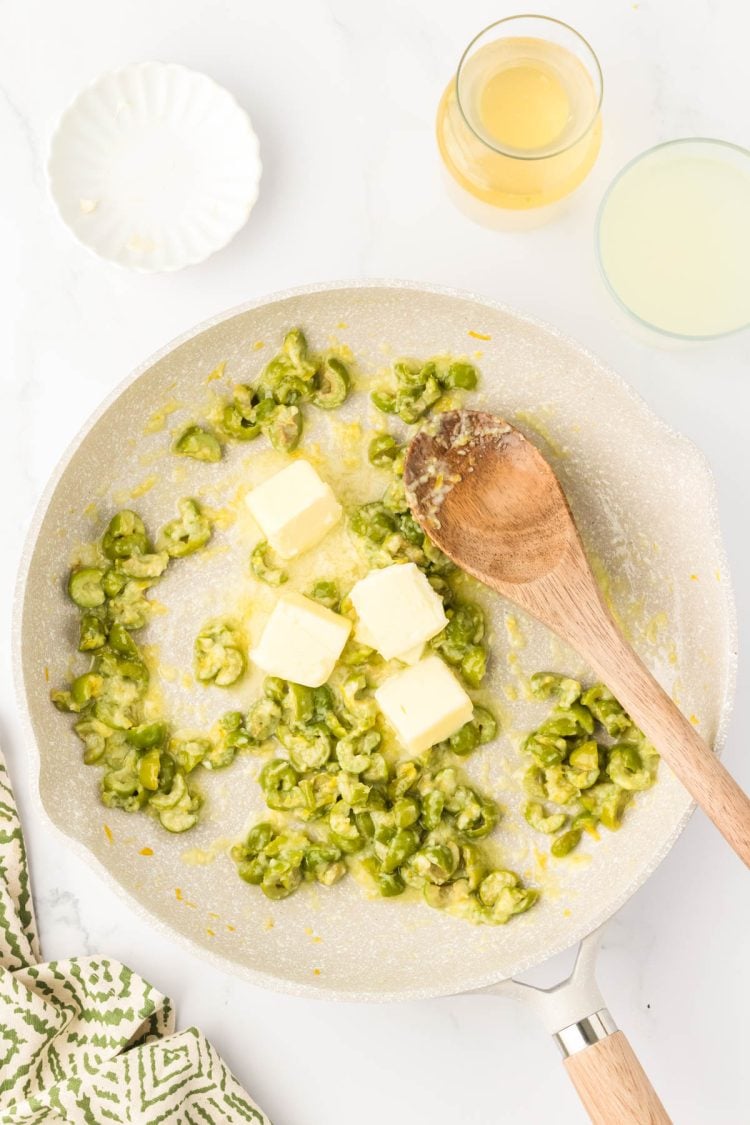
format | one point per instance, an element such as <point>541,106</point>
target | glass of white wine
<point>519,126</point>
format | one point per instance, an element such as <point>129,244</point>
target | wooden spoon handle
<point>676,739</point>
<point>613,1086</point>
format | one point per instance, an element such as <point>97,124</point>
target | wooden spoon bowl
<point>486,496</point>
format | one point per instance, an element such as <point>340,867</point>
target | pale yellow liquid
<point>522,129</point>
<point>524,106</point>
<point>674,240</point>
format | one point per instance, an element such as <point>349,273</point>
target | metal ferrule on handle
<point>584,1033</point>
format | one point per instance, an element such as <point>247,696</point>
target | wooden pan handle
<point>613,1086</point>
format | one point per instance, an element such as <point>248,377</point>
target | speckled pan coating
<point>644,498</point>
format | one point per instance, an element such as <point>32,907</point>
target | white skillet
<point>645,501</point>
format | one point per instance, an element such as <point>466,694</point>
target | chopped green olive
<point>385,402</point>
<point>332,384</point>
<point>278,780</point>
<point>92,633</point>
<point>493,885</point>
<point>474,665</point>
<point>546,685</point>
<point>465,740</point>
<point>383,451</point>
<point>284,428</point>
<point>219,654</point>
<point>486,724</point>
<point>607,801</point>
<point>85,587</point>
<point>607,711</point>
<point>145,566</point>
<point>534,814</point>
<point>585,756</point>
<point>324,864</point>
<point>239,418</point>
<point>148,770</point>
<point>435,863</point>
<point>406,811</point>
<point>566,842</point>
<point>199,444</point>
<point>510,901</point>
<point>86,688</point>
<point>418,387</point>
<point>327,593</point>
<point>373,521</point>
<point>559,786</point>
<point>188,752</point>
<point>121,642</point>
<point>308,750</point>
<point>280,879</point>
<point>262,719</point>
<point>573,768</point>
<point>291,360</point>
<point>461,375</point>
<point>113,582</point>
<point>94,736</point>
<point>130,609</point>
<point>125,536</point>
<point>627,769</point>
<point>297,704</point>
<point>263,565</point>
<point>412,405</point>
<point>147,736</point>
<point>344,830</point>
<point>401,845</point>
<point>186,534</point>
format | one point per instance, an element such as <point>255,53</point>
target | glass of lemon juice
<point>673,236</point>
<point>519,126</point>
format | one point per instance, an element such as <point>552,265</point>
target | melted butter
<point>538,421</point>
<point>655,627</point>
<point>202,857</point>
<point>158,420</point>
<point>515,633</point>
<point>217,373</point>
<point>349,438</point>
<point>144,487</point>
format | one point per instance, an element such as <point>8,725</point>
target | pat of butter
<point>294,509</point>
<point>424,704</point>
<point>398,611</point>
<point>302,641</point>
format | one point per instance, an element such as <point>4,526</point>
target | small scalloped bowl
<point>154,167</point>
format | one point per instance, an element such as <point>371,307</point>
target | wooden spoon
<point>491,502</point>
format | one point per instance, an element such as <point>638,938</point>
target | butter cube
<point>424,704</point>
<point>301,641</point>
<point>294,509</point>
<point>398,611</point>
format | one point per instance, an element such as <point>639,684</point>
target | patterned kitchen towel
<point>88,1041</point>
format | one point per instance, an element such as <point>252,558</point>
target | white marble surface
<point>342,93</point>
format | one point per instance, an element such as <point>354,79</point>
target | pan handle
<point>611,1083</point>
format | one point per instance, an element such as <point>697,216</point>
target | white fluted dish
<point>154,167</point>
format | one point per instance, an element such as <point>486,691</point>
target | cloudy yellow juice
<point>674,238</point>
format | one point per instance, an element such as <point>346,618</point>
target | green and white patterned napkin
<point>86,1040</point>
